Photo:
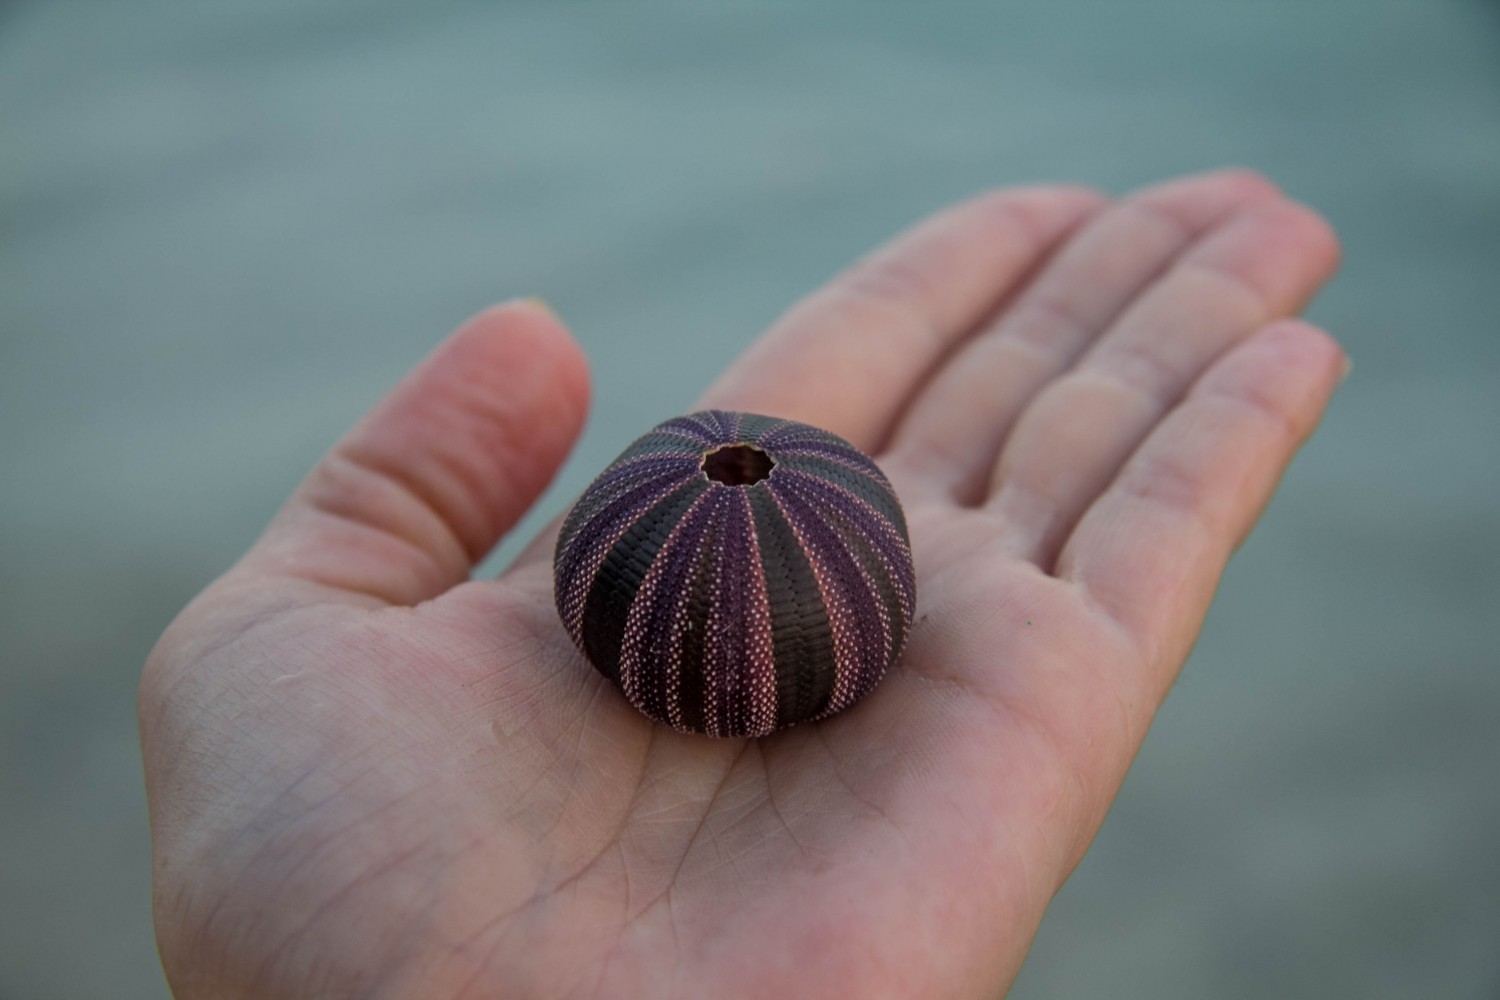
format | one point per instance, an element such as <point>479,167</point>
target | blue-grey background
<point>227,227</point>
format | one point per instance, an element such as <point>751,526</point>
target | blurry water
<point>225,228</point>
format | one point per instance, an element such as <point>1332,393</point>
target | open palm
<point>371,776</point>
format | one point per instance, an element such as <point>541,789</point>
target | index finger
<point>849,357</point>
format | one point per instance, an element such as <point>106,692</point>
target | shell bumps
<point>735,574</point>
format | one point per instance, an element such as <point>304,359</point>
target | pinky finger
<point>1150,550</point>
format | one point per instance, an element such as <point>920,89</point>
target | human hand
<point>369,775</point>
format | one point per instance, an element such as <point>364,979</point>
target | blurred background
<point>227,227</point>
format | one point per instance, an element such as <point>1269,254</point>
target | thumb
<point>403,507</point>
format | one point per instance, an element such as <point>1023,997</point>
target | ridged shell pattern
<point>730,607</point>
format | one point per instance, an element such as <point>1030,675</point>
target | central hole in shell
<point>737,465</point>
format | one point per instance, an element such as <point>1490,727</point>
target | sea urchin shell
<point>735,574</point>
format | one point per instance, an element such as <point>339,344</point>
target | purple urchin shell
<point>735,574</point>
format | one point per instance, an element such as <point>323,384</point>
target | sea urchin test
<point>734,574</point>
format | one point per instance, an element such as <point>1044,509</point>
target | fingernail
<point>543,305</point>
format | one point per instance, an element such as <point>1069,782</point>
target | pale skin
<point>370,775</point>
